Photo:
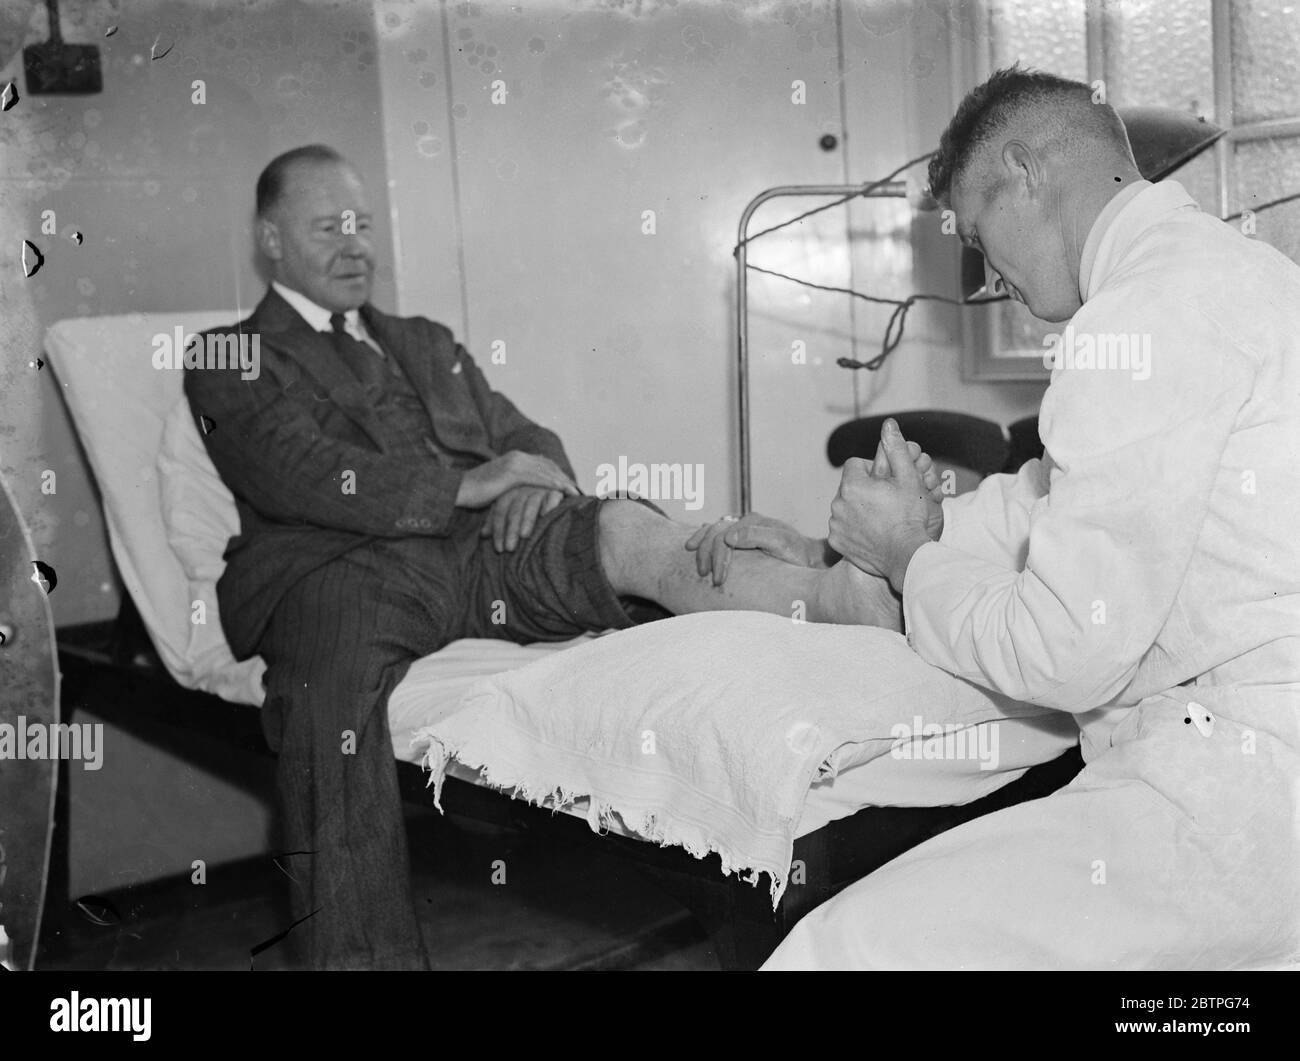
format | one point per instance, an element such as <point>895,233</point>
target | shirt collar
<point>316,316</point>
<point>1099,228</point>
<point>1132,210</point>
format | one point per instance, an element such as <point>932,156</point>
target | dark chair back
<point>1025,443</point>
<point>956,438</point>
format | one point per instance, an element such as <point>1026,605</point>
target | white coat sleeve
<point>1133,464</point>
<point>992,521</point>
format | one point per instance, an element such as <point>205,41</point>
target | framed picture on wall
<point>1004,341</point>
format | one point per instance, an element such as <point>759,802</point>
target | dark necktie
<point>365,362</point>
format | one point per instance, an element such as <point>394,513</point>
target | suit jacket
<point>285,441</point>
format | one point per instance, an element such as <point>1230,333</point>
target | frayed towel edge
<point>647,825</point>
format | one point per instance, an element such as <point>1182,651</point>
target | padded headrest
<point>120,403</point>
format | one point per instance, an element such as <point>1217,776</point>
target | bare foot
<point>849,596</point>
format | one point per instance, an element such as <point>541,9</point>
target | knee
<point>619,515</point>
<point>622,525</point>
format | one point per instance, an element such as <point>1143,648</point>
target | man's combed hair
<point>271,182</point>
<point>1063,107</point>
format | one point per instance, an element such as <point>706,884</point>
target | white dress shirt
<point>319,317</point>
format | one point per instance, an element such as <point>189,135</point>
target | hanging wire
<point>897,319</point>
<point>866,189</point>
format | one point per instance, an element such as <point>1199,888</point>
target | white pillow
<point>200,517</point>
<point>198,509</point>
<point>119,402</point>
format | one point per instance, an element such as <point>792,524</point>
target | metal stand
<point>891,190</point>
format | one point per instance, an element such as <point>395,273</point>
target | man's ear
<point>268,239</point>
<point>1022,165</point>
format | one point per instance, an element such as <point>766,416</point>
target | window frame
<point>984,358</point>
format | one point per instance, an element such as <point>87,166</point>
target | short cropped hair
<point>1063,109</point>
<point>270,185</point>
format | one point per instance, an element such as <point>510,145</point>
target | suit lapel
<point>314,353</point>
<point>455,420</point>
<point>453,416</point>
<point>399,343</point>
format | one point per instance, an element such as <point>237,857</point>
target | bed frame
<point>111,670</point>
<point>845,192</point>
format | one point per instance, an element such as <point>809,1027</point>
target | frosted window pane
<point>1047,34</point>
<point>1265,53</point>
<point>1281,227</point>
<point>1158,54</point>
<point>1201,179</point>
<point>1270,169</point>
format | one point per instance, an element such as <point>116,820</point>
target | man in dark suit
<point>390,502</point>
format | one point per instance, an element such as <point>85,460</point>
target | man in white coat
<point>1144,576</point>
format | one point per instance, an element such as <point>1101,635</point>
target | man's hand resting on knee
<point>520,487</point>
<point>482,485</point>
<point>713,543</point>
<point>514,515</point>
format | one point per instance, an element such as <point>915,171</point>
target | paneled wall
<point>527,145</point>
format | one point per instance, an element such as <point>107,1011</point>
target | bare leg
<point>645,555</point>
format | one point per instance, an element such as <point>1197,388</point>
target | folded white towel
<point>707,730</point>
